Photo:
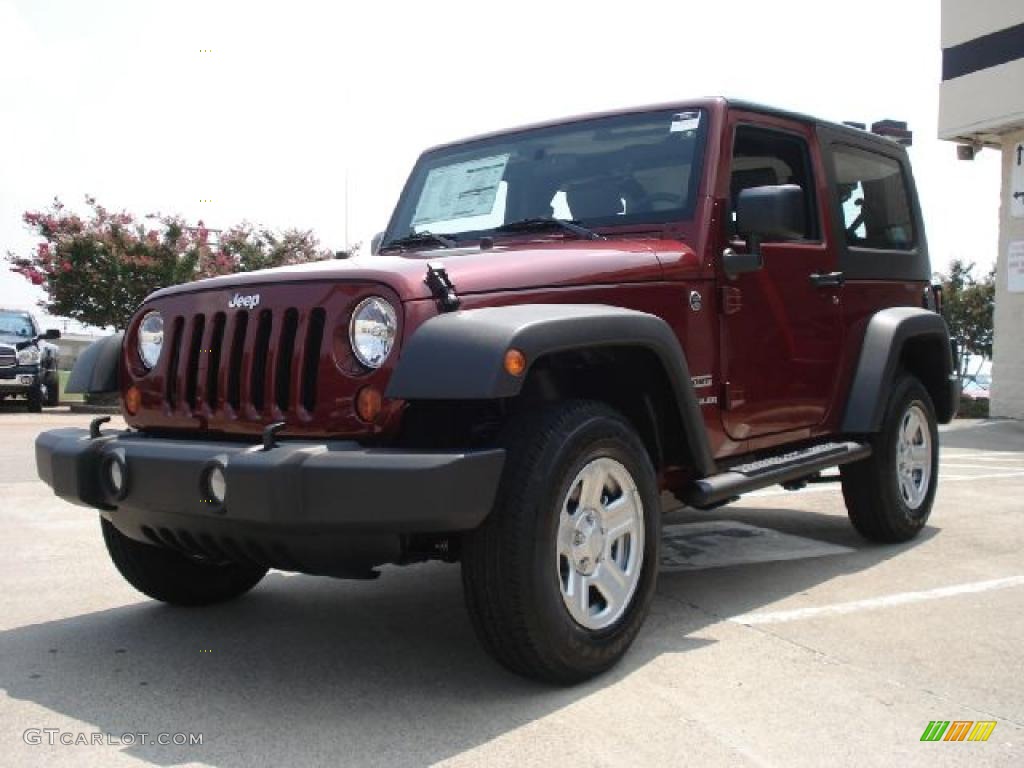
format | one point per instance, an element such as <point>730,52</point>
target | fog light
<point>217,484</point>
<point>116,476</point>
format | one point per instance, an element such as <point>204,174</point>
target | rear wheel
<point>559,578</point>
<point>174,578</point>
<point>889,495</point>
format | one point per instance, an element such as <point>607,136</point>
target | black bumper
<point>319,495</point>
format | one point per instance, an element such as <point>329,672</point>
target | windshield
<point>611,171</point>
<point>16,324</point>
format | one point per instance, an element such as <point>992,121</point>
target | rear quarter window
<point>873,199</point>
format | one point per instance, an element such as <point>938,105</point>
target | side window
<point>765,158</point>
<point>872,192</point>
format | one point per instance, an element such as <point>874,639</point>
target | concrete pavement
<point>843,656</point>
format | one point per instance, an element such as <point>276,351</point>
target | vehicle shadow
<point>306,670</point>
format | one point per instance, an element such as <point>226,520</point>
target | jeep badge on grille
<point>248,302</point>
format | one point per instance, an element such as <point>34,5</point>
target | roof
<point>713,104</point>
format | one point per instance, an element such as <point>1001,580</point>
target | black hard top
<point>713,104</point>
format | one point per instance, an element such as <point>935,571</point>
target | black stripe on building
<point>1000,47</point>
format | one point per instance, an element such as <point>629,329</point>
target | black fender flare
<point>96,369</point>
<point>460,355</point>
<point>887,334</point>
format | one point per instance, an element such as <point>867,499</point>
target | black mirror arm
<point>754,245</point>
<point>735,264</point>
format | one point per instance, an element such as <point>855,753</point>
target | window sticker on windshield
<point>685,121</point>
<point>460,190</point>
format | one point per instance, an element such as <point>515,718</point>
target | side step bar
<point>775,470</point>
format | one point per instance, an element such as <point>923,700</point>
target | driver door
<point>781,325</point>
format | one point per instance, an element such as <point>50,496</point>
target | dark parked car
<point>704,298</point>
<point>28,364</point>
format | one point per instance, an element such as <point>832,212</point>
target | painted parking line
<point>994,476</point>
<point>723,543</point>
<point>986,467</point>
<point>873,603</point>
<point>986,456</point>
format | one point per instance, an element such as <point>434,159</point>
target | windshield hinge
<point>441,286</point>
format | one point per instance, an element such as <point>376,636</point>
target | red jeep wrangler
<point>560,322</point>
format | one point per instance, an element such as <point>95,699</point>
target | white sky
<point>115,99</point>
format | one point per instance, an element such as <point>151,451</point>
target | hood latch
<point>441,286</point>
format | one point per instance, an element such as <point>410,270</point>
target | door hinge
<point>732,300</point>
<point>733,396</point>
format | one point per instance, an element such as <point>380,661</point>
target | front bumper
<point>297,497</point>
<point>18,380</point>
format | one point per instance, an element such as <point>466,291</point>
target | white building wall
<point>1008,353</point>
<point>987,107</point>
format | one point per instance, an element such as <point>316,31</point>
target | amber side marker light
<point>132,400</point>
<point>515,362</point>
<point>368,403</point>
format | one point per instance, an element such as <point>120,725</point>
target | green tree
<point>968,306</point>
<point>98,269</point>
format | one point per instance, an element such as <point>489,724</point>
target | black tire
<point>35,399</point>
<point>878,509</point>
<point>53,390</point>
<point>510,567</point>
<point>173,578</point>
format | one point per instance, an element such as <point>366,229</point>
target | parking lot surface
<point>778,638</point>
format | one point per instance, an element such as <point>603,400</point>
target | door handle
<point>828,279</point>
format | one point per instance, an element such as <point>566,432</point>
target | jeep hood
<point>472,270</point>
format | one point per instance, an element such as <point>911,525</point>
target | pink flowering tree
<point>98,269</point>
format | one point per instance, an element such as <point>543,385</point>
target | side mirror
<point>770,213</point>
<point>51,334</point>
<point>375,243</point>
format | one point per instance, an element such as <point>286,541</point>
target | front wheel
<point>174,578</point>
<point>889,495</point>
<point>559,578</point>
<point>53,390</point>
<point>35,399</point>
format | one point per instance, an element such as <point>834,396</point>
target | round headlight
<point>372,331</point>
<point>151,338</point>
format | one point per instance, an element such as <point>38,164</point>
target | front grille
<point>8,357</point>
<point>258,365</point>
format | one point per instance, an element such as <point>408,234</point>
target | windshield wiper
<point>549,222</point>
<point>419,238</point>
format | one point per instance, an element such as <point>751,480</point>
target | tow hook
<point>270,435</point>
<point>94,426</point>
